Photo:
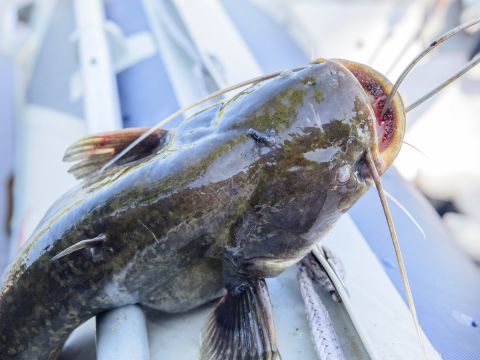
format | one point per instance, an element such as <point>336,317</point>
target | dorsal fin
<point>92,152</point>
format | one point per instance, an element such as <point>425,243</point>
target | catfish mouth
<point>269,266</point>
<point>391,127</point>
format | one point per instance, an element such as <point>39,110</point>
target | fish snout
<point>390,128</point>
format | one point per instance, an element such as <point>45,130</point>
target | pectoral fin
<point>92,152</point>
<point>80,245</point>
<point>241,326</point>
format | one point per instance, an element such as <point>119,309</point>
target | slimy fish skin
<point>235,194</point>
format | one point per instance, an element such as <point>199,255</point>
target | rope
<point>324,337</point>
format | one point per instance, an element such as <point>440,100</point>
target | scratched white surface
<point>379,313</point>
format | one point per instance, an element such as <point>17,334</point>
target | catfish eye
<point>344,173</point>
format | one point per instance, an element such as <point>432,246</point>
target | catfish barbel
<point>235,194</point>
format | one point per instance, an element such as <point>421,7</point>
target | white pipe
<point>121,333</point>
<point>101,104</point>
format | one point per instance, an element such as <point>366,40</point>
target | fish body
<point>241,190</point>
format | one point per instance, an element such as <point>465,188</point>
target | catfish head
<point>314,162</point>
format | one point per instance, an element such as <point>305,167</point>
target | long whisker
<point>420,56</point>
<point>191,106</point>
<point>396,246</point>
<point>415,148</point>
<point>474,62</point>
<point>406,212</point>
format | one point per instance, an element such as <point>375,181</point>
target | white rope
<point>318,274</point>
<point>323,333</point>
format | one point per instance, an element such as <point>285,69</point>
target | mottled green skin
<point>212,193</point>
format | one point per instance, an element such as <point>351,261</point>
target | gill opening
<point>398,253</point>
<point>420,56</point>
